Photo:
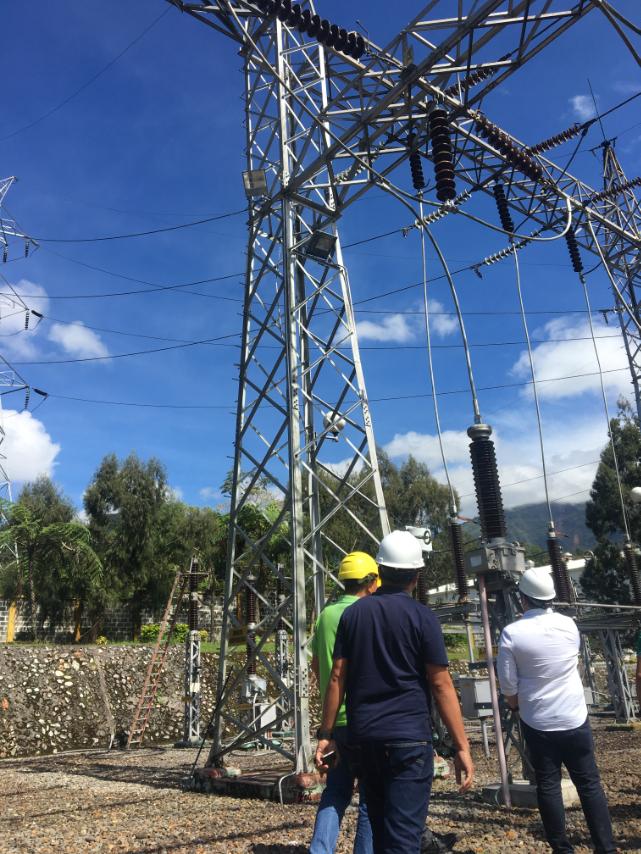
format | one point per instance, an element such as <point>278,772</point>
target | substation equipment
<point>329,115</point>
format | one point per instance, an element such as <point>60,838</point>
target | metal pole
<point>494,694</point>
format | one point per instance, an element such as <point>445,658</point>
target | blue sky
<point>157,140</point>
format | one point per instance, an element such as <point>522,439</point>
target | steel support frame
<point>618,682</point>
<point>303,428</point>
<point>326,129</point>
<point>191,724</point>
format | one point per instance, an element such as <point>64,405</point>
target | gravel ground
<point>132,802</point>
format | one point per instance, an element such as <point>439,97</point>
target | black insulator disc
<point>341,41</point>
<point>323,31</point>
<point>350,47</point>
<point>360,47</point>
<point>314,26</point>
<point>333,36</point>
<point>305,21</point>
<point>294,15</point>
<point>284,10</point>
<point>445,192</point>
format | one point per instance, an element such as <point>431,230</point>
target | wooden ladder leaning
<point>147,698</point>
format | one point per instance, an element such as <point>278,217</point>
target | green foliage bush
<point>149,633</point>
<point>101,640</point>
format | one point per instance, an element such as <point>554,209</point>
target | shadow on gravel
<point>205,840</point>
<point>143,773</point>
<point>74,808</point>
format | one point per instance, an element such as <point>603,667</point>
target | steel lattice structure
<point>323,128</point>
<point>620,205</point>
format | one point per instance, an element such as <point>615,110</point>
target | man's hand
<point>463,765</point>
<point>325,745</point>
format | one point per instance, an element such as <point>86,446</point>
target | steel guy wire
<point>430,368</point>
<point>606,267</point>
<point>534,385</point>
<point>606,411</point>
<point>88,83</point>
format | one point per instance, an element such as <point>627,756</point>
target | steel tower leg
<point>305,453</point>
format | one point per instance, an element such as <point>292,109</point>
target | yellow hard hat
<point>357,565</point>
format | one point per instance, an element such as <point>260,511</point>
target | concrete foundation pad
<point>265,784</point>
<point>523,794</point>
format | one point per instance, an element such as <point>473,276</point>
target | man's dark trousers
<point>575,749</point>
<point>397,780</point>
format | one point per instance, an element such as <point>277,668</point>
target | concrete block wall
<point>116,624</point>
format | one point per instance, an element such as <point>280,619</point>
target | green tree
<point>46,501</point>
<point>124,502</point>
<point>605,578</point>
<point>57,561</point>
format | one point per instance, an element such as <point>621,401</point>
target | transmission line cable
<point>430,369</point>
<point>211,341</point>
<point>535,392</point>
<point>87,83</point>
<point>147,233</point>
<point>604,398</point>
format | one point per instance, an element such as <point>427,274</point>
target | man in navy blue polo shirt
<point>389,654</point>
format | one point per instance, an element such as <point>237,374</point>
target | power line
<point>211,341</point>
<point>89,82</point>
<point>163,230</point>
<point>138,404</point>
<point>497,386</point>
<point>152,289</point>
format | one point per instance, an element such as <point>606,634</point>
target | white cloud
<point>441,324</point>
<point>210,493</point>
<point>29,449</point>
<point>393,328</point>
<point>583,107</point>
<point>564,355</point>
<point>77,340</point>
<point>571,459</point>
<point>174,493</point>
<point>627,87</point>
<point>16,341</point>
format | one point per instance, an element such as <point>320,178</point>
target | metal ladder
<point>150,686</point>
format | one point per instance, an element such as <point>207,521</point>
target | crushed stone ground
<point>133,802</point>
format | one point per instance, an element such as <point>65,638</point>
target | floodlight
<point>321,245</point>
<point>255,182</point>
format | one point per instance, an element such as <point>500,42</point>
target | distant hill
<point>529,524</point>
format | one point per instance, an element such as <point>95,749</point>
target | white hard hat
<point>537,583</point>
<point>400,550</point>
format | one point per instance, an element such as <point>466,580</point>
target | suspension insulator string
<point>560,574</point>
<point>507,223</point>
<point>442,154</point>
<point>616,189</point>
<point>416,167</point>
<point>486,483</point>
<point>557,139</point>
<point>634,574</point>
<point>456,539</point>
<point>518,157</point>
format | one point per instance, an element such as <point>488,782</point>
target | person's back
<point>544,646</point>
<point>393,637</point>
<point>388,648</point>
<point>538,672</point>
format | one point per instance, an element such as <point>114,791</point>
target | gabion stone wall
<point>63,698</point>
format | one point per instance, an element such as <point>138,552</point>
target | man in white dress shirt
<point>538,673</point>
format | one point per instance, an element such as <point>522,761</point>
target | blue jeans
<point>397,781</point>
<point>335,800</point>
<point>573,748</point>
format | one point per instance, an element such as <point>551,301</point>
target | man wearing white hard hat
<point>388,656</point>
<point>539,676</point>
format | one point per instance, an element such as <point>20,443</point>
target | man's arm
<point>332,702</point>
<point>448,707</point>
<point>507,673</point>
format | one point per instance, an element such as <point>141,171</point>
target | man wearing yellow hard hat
<point>359,575</point>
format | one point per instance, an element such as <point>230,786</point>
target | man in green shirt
<point>638,673</point>
<point>359,574</point>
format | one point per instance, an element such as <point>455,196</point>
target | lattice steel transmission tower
<point>620,205</point>
<point>328,116</point>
